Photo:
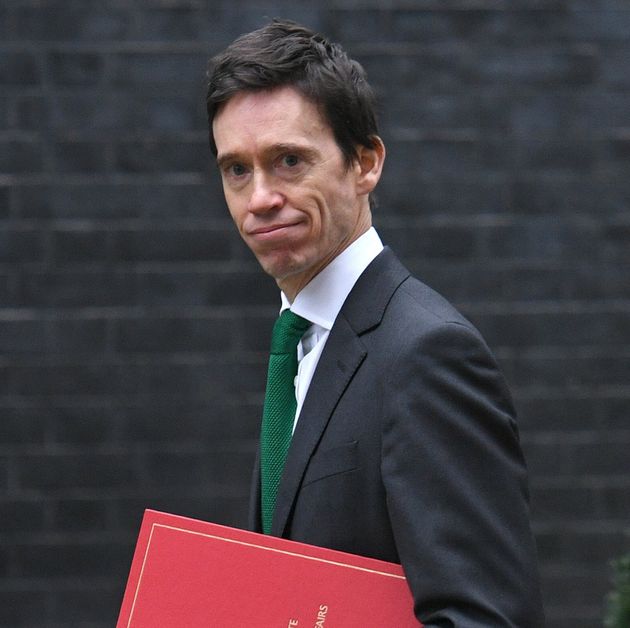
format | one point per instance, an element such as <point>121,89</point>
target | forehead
<point>263,118</point>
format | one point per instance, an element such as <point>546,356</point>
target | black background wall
<point>134,323</point>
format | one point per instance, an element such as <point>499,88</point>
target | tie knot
<point>287,331</point>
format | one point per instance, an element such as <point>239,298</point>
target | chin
<point>282,265</point>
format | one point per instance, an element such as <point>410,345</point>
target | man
<point>404,444</point>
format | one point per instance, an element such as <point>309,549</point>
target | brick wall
<point>126,377</point>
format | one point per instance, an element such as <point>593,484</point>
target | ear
<point>369,165</point>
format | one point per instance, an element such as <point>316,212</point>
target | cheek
<point>236,212</point>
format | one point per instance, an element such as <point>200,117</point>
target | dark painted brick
<point>119,109</point>
<point>173,335</point>
<point>84,424</point>
<point>80,515</point>
<point>23,336</point>
<point>21,608</point>
<point>222,509</point>
<point>5,113</point>
<point>574,412</point>
<point>5,195</point>
<point>557,503</point>
<point>251,14</point>
<point>441,107</point>
<point>26,517</point>
<point>522,280</point>
<point>464,153</point>
<point>551,155</point>
<point>593,546</point>
<point>63,379</point>
<point>31,113</point>
<point>365,24</point>
<point>4,22</point>
<point>173,288</point>
<point>78,336</point>
<point>80,156</point>
<point>617,242</point>
<point>21,426</point>
<point>609,457</point>
<point>218,23</point>
<point>425,72</point>
<point>255,331</point>
<point>199,422</point>
<point>559,195</point>
<point>620,146</point>
<point>4,563</point>
<point>19,68</point>
<point>102,201</point>
<point>214,378</point>
<point>177,23</point>
<point>198,244</point>
<point>568,370</point>
<point>21,246</point>
<point>614,72</point>
<point>613,502</point>
<point>163,156</point>
<point>218,289</point>
<point>7,295</point>
<point>49,472</point>
<point>595,459</point>
<point>551,459</point>
<point>20,156</point>
<point>72,68</point>
<point>80,561</point>
<point>546,65</point>
<point>557,329</point>
<point>4,379</point>
<point>543,238</point>
<point>82,607</point>
<point>570,585</point>
<point>157,68</point>
<point>76,289</point>
<point>80,246</point>
<point>451,242</point>
<point>59,23</point>
<point>45,337</point>
<point>605,23</point>
<point>173,469</point>
<point>238,287</point>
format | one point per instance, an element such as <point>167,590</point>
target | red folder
<point>193,574</point>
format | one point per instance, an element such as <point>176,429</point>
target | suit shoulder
<point>420,300</point>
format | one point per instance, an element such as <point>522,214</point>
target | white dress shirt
<point>320,301</point>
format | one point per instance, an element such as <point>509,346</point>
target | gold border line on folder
<point>245,543</point>
<point>144,562</point>
<point>279,551</point>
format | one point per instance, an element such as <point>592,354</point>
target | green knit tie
<point>279,408</point>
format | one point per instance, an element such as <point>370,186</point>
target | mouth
<point>273,232</point>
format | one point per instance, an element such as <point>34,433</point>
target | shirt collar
<point>322,298</point>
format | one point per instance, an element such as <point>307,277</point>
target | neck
<point>293,284</point>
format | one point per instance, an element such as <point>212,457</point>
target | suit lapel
<point>343,354</point>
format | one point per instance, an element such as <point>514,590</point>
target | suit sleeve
<point>455,481</point>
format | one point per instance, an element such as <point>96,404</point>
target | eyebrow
<point>223,159</point>
<point>274,149</point>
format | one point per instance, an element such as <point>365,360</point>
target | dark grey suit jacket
<point>407,450</point>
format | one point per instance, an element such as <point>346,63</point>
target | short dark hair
<point>285,53</point>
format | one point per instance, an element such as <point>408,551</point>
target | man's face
<point>294,200</point>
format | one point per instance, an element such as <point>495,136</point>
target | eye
<point>290,160</point>
<point>236,170</point>
<point>235,174</point>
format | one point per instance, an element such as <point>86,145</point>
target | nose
<point>265,196</point>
